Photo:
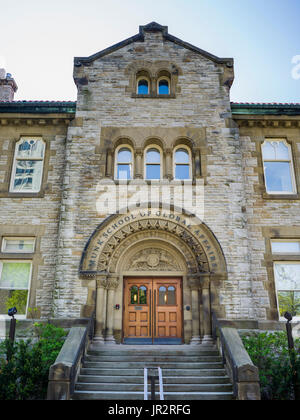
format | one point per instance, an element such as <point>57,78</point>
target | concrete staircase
<point>117,373</point>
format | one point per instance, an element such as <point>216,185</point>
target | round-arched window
<point>124,164</point>
<point>163,87</point>
<point>153,164</point>
<point>143,87</point>
<point>182,164</point>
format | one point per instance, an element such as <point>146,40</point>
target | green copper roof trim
<point>69,107</point>
<point>38,107</point>
<point>265,109</point>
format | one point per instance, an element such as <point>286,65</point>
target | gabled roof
<point>151,27</point>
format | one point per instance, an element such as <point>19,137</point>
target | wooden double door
<point>152,311</point>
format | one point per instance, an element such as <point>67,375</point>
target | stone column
<point>207,339</point>
<point>138,170</point>
<point>194,285</point>
<point>169,166</point>
<point>197,163</point>
<point>112,284</point>
<point>100,308</point>
<point>109,163</point>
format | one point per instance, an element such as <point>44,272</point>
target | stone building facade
<point>153,119</point>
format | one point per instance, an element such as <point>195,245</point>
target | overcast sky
<point>38,40</point>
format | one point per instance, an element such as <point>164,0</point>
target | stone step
<point>179,387</point>
<point>163,365</point>
<point>167,379</point>
<point>144,353</point>
<point>182,396</point>
<point>152,358</point>
<point>140,372</point>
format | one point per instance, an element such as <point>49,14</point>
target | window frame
<point>5,239</point>
<point>274,253</point>
<point>159,149</point>
<point>16,159</point>
<point>284,262</point>
<point>138,79</point>
<point>182,146</point>
<point>169,85</point>
<point>294,191</point>
<point>29,261</point>
<point>131,165</point>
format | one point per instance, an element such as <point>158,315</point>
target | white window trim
<point>169,84</point>
<point>153,146</point>
<point>281,318</point>
<point>190,163</point>
<point>13,174</point>
<point>285,241</point>
<point>290,161</point>
<point>23,238</point>
<point>137,85</point>
<point>124,146</point>
<point>24,316</point>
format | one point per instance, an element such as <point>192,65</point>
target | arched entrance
<point>161,249</point>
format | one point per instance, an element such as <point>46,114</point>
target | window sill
<point>285,197</point>
<point>40,194</point>
<point>16,256</point>
<point>154,96</point>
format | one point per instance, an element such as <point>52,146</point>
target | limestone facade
<point>222,251</point>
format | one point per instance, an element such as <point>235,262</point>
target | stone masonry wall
<point>104,101</point>
<point>35,215</point>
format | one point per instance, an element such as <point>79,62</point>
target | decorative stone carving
<point>152,259</point>
<point>112,283</point>
<point>112,240</point>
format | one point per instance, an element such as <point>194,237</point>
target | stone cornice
<point>263,121</point>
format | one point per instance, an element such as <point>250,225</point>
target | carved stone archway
<point>155,241</point>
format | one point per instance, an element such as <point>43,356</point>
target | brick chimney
<point>8,87</point>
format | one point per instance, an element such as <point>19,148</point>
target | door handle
<point>150,313</point>
<point>154,314</point>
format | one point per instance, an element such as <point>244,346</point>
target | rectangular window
<point>28,165</point>
<point>278,167</point>
<point>15,279</point>
<point>18,245</point>
<point>287,279</point>
<point>285,247</point>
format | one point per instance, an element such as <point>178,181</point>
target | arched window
<point>143,86</point>
<point>124,163</point>
<point>167,295</point>
<point>278,167</point>
<point>163,86</point>
<point>153,163</point>
<point>28,165</point>
<point>182,163</point>
<point>138,295</point>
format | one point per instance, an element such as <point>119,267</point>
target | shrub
<point>24,366</point>
<point>269,352</point>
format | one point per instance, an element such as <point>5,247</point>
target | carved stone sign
<point>108,237</point>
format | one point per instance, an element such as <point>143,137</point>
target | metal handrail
<point>145,384</point>
<point>153,378</point>
<point>161,384</point>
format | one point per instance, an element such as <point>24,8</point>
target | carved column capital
<point>112,282</point>
<point>101,282</point>
<point>194,282</point>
